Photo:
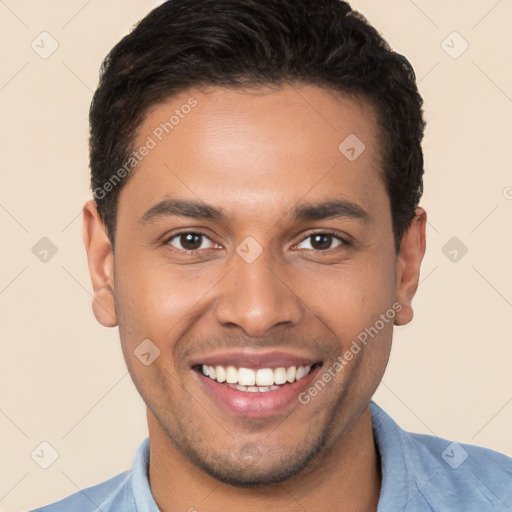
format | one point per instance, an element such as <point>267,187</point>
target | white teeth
<point>265,377</point>
<point>221,373</point>
<point>231,375</point>
<point>253,389</point>
<point>301,372</point>
<point>246,377</point>
<point>280,375</point>
<point>252,381</point>
<point>211,372</point>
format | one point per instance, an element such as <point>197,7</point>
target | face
<point>253,251</point>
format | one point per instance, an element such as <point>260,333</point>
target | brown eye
<point>189,241</point>
<point>321,242</point>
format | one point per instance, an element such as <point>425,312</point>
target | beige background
<point>62,375</point>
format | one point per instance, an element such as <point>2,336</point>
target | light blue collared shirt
<point>420,473</point>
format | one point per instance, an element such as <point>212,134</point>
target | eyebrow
<point>338,208</point>
<point>181,208</point>
<point>330,209</point>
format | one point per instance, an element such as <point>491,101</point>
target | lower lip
<point>257,404</point>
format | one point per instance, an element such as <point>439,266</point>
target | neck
<point>346,479</point>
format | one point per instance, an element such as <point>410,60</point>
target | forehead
<point>258,149</point>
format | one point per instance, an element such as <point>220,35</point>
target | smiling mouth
<point>259,380</point>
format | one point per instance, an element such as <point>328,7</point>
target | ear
<point>412,250</point>
<point>101,265</point>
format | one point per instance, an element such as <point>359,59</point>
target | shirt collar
<point>144,500</point>
<point>406,472</point>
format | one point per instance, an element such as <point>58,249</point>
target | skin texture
<point>257,155</point>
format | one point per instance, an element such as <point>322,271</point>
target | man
<point>255,234</point>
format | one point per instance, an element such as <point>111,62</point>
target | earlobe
<point>101,265</point>
<point>412,250</point>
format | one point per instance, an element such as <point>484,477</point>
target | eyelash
<point>195,232</point>
<point>343,241</point>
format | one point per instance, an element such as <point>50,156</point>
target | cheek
<point>152,304</point>
<point>159,301</point>
<point>348,298</point>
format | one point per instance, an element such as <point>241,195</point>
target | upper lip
<point>254,360</point>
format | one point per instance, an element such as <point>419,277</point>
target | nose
<point>257,296</point>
